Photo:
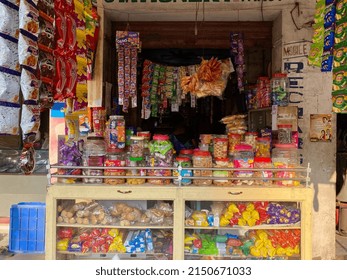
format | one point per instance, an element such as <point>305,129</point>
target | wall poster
<point>320,128</point>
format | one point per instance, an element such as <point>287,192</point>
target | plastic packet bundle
<point>29,17</point>
<point>9,118</point>
<point>29,86</point>
<point>9,24</point>
<point>30,122</point>
<point>9,53</point>
<point>9,86</point>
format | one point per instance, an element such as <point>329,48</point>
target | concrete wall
<point>315,99</point>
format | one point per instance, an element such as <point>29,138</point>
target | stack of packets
<point>235,124</point>
<point>127,45</point>
<point>139,241</point>
<point>340,59</point>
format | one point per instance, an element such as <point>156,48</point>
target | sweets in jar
<point>263,163</point>
<point>250,139</point>
<point>221,163</point>
<point>263,147</point>
<point>243,159</point>
<point>202,159</point>
<point>114,160</point>
<point>220,147</point>
<point>136,146</point>
<point>182,162</point>
<point>284,133</point>
<point>138,172</point>
<point>234,139</point>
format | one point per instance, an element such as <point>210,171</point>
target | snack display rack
<point>178,196</point>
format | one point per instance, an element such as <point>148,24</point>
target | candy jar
<point>114,160</point>
<point>263,163</point>
<point>243,158</point>
<point>202,159</point>
<point>234,139</point>
<point>263,147</point>
<point>220,147</point>
<point>161,155</point>
<point>136,146</point>
<point>222,163</point>
<point>284,133</point>
<point>187,153</point>
<point>250,139</point>
<point>183,162</point>
<point>136,162</point>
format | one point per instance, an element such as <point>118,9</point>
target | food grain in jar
<point>136,162</point>
<point>220,147</point>
<point>263,147</point>
<point>284,133</point>
<point>114,160</point>
<point>222,163</point>
<point>234,139</point>
<point>136,146</point>
<point>202,159</point>
<point>183,162</point>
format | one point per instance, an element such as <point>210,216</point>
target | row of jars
<point>160,155</point>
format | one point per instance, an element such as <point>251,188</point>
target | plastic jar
<point>205,139</point>
<point>285,156</point>
<point>250,139</point>
<point>94,151</point>
<point>263,163</point>
<point>263,147</point>
<point>129,132</point>
<point>234,139</point>
<point>222,163</point>
<point>187,153</point>
<point>243,158</point>
<point>284,133</point>
<point>136,146</point>
<point>202,159</point>
<point>116,132</point>
<point>220,147</point>
<point>161,155</point>
<point>114,160</point>
<point>183,162</point>
<point>279,89</point>
<point>146,138</point>
<point>136,162</point>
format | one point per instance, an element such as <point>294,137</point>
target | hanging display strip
<point>127,45</point>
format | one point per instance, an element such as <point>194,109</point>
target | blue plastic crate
<point>27,228</point>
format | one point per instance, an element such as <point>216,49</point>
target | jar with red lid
<point>161,155</point>
<point>243,158</point>
<point>222,163</point>
<point>115,161</point>
<point>220,147</point>
<point>202,159</point>
<point>263,163</point>
<point>284,133</point>
<point>234,139</point>
<point>263,147</point>
<point>250,139</point>
<point>182,162</point>
<point>187,153</point>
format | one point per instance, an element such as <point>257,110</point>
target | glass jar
<point>284,133</point>
<point>136,162</point>
<point>285,156</point>
<point>279,89</point>
<point>183,162</point>
<point>129,132</point>
<point>263,163</point>
<point>136,146</point>
<point>263,147</point>
<point>250,139</point>
<point>94,151</point>
<point>222,163</point>
<point>146,138</point>
<point>220,147</point>
<point>116,132</point>
<point>161,155</point>
<point>234,139</point>
<point>243,158</point>
<point>114,160</point>
<point>202,159</point>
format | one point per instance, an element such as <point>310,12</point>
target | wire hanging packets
<point>127,45</point>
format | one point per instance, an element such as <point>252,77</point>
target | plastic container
<point>263,147</point>
<point>129,132</point>
<point>222,163</point>
<point>243,158</point>
<point>136,146</point>
<point>146,137</point>
<point>114,160</point>
<point>285,156</point>
<point>187,153</point>
<point>234,139</point>
<point>183,162</point>
<point>250,139</point>
<point>202,159</point>
<point>136,162</point>
<point>116,132</point>
<point>94,152</point>
<point>220,147</point>
<point>161,155</point>
<point>27,228</point>
<point>284,133</point>
<point>263,163</point>
<point>206,139</point>
<point>279,89</point>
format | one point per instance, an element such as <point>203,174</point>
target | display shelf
<point>121,256</point>
<point>277,226</point>
<point>189,256</point>
<point>135,226</point>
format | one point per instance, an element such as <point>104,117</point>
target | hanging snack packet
<point>339,103</point>
<point>341,10</point>
<point>9,23</point>
<point>46,65</point>
<point>71,77</point>
<point>329,36</point>
<point>340,57</point>
<point>60,28</point>
<point>9,118</point>
<point>47,7</point>
<point>29,85</point>
<point>60,78</point>
<point>9,86</point>
<point>329,17</point>
<point>341,34</point>
<point>340,80</point>
<point>29,17</point>
<point>27,50</point>
<point>9,53</point>
<point>30,122</point>
<point>46,35</point>
<point>327,62</point>
<point>71,127</point>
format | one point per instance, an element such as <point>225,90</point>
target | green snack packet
<point>341,34</point>
<point>315,54</point>
<point>339,102</point>
<point>340,80</point>
<point>340,57</point>
<point>341,11</point>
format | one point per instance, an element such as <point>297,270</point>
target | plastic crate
<point>27,228</point>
